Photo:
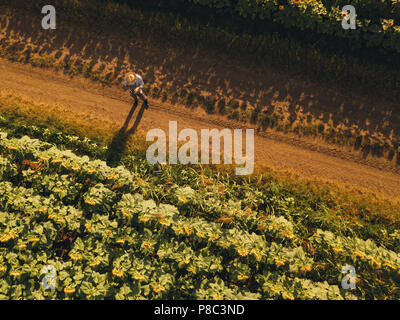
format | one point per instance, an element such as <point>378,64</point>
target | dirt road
<point>271,149</point>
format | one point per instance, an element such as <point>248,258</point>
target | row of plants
<point>95,222</point>
<point>369,9</point>
<point>83,146</point>
<point>220,191</point>
<point>374,27</point>
<point>142,219</point>
<point>270,48</point>
<point>377,22</point>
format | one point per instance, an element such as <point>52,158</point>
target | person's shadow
<point>119,141</point>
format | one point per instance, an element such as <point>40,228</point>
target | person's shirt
<point>138,83</point>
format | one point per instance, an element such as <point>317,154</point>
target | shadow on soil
<point>118,144</point>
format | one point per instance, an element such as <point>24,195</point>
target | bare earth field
<point>281,152</point>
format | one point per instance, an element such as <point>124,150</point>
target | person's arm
<point>140,83</point>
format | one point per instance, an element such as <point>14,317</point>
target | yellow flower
<point>256,254</point>
<point>180,264</point>
<point>75,257</point>
<point>146,245</point>
<point>165,223</point>
<point>15,273</point>
<point>12,235</point>
<point>21,246</point>
<point>69,290</point>
<point>90,201</point>
<point>117,274</point>
<point>5,239</point>
<point>343,14</point>
<point>95,263</point>
<point>125,213</point>
<point>281,7</point>
<point>306,268</point>
<point>243,277</point>
<point>138,277</point>
<point>242,252</point>
<point>288,235</point>
<point>144,219</point>
<point>296,1</point>
<point>225,244</point>
<point>158,289</point>
<point>287,296</point>
<point>375,261</point>
<point>92,171</point>
<point>358,254</point>
<point>116,186</point>
<point>187,230</point>
<point>338,249</point>
<point>390,266</point>
<point>279,262</point>
<point>181,199</point>
<point>139,181</point>
<point>390,24</point>
<point>275,291</point>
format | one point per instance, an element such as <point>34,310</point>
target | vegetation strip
<point>112,227</point>
<point>166,229</point>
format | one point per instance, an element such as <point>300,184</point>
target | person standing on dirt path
<point>134,82</point>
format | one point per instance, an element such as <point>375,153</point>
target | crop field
<point>84,214</point>
<point>158,232</point>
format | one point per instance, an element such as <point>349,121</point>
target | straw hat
<point>130,78</point>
